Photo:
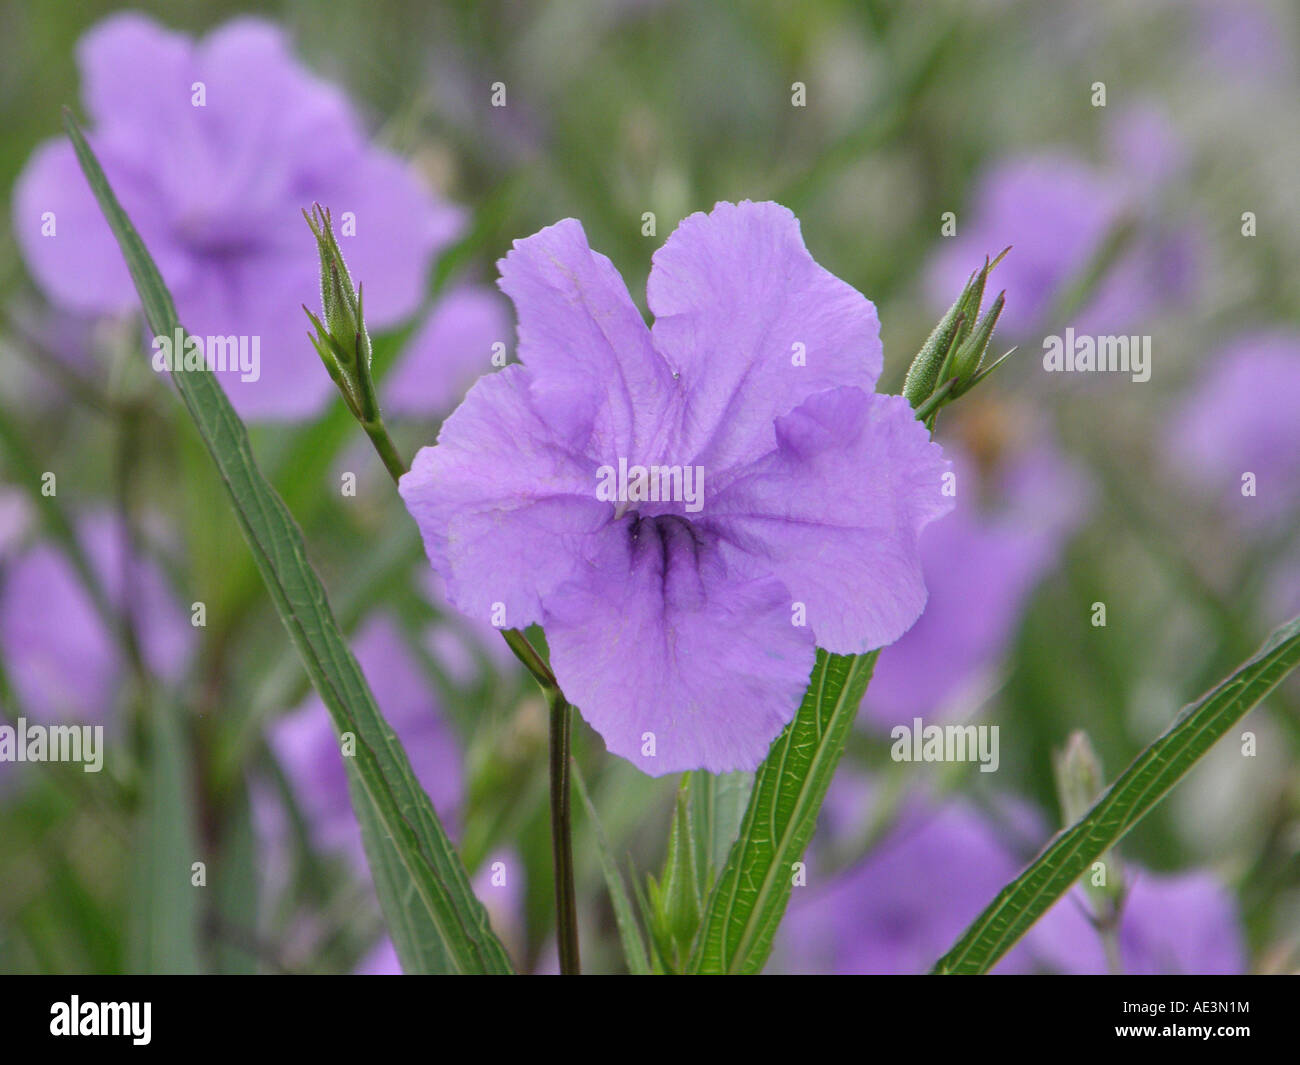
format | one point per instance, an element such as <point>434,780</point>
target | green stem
<point>566,905</point>
<point>384,446</point>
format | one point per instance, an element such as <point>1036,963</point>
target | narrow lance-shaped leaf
<point>718,803</point>
<point>398,821</point>
<point>749,900</point>
<point>1149,779</point>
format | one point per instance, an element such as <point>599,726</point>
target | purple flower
<point>1147,152</point>
<point>63,661</point>
<point>452,349</point>
<point>309,752</point>
<point>1053,209</point>
<point>898,910</point>
<point>308,749</point>
<point>1243,417</point>
<point>214,148</point>
<point>684,624</point>
<point>901,907</point>
<point>465,647</point>
<point>981,562</point>
<point>1182,924</point>
<point>1241,41</point>
<point>1057,211</point>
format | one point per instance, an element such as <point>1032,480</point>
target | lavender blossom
<point>981,562</point>
<point>682,611</point>
<point>451,349</point>
<point>1243,418</point>
<point>900,908</point>
<point>64,662</point>
<point>214,148</point>
<point>1169,925</point>
<point>1058,212</point>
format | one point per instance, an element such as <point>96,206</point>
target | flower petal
<point>735,294</point>
<point>658,636</point>
<point>399,230</point>
<point>307,747</point>
<point>135,71</point>
<point>595,371</point>
<point>980,565</point>
<point>250,297</point>
<point>506,510</point>
<point>835,512</point>
<point>79,264</point>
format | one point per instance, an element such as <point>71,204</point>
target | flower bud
<point>964,361</point>
<point>1078,777</point>
<point>341,339</point>
<point>1079,785</point>
<point>948,363</point>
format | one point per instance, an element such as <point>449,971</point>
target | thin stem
<point>566,903</point>
<point>384,446</point>
<point>1110,944</point>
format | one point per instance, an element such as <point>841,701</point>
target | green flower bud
<point>676,907</point>
<point>923,374</point>
<point>964,361</point>
<point>948,363</point>
<point>1078,777</point>
<point>340,339</point>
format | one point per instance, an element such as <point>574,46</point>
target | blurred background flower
<point>215,148</point>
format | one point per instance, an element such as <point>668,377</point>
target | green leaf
<point>165,921</point>
<point>414,933</point>
<point>398,822</point>
<point>1150,777</point>
<point>751,895</point>
<point>629,932</point>
<point>718,804</point>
